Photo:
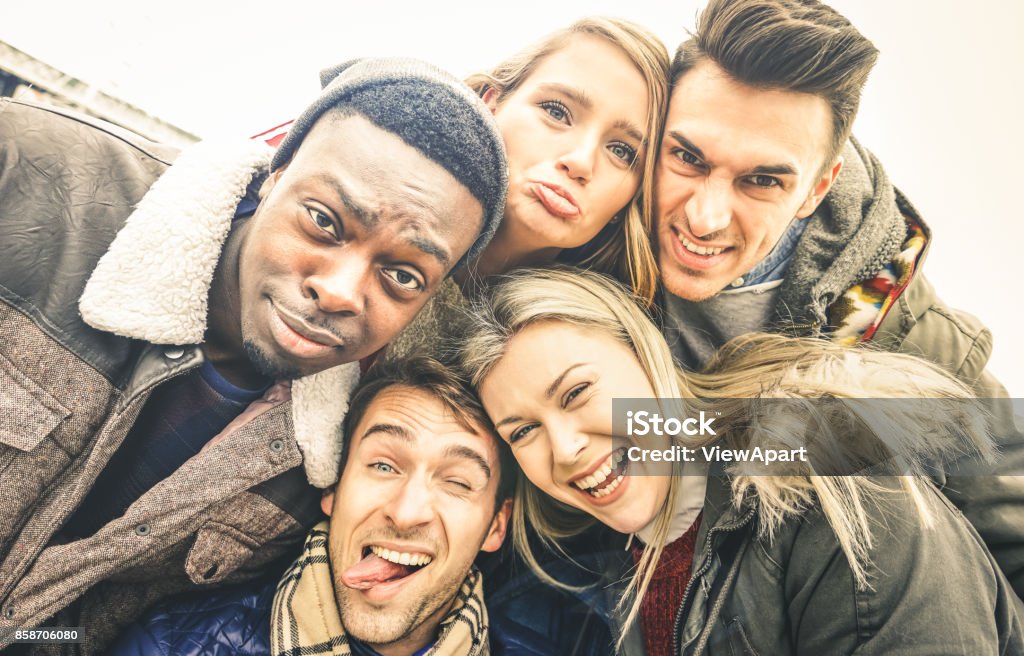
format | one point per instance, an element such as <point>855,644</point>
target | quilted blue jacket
<point>226,623</point>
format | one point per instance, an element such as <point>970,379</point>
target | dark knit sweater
<point>665,593</point>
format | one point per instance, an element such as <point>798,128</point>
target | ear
<point>490,98</point>
<point>819,190</point>
<point>499,528</point>
<point>327,500</point>
<point>269,183</point>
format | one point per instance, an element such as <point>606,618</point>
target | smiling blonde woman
<point>801,563</point>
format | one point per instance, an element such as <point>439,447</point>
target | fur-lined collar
<point>154,282</point>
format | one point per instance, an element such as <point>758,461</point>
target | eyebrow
<point>774,169</point>
<point>686,143</point>
<point>466,453</point>
<point>572,93</point>
<point>584,101</point>
<point>364,216</point>
<point>392,430</point>
<point>453,451</point>
<point>370,219</point>
<point>548,393</point>
<point>764,169</point>
<point>433,249</point>
<point>632,131</point>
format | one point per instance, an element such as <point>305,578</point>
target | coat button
<point>738,282</point>
<point>174,353</point>
<point>142,530</point>
<point>277,446</point>
<point>9,613</point>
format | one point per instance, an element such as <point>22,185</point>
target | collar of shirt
<point>773,267</point>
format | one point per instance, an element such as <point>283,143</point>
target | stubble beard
<point>266,365</point>
<point>385,627</point>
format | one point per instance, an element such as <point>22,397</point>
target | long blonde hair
<point>622,249</point>
<point>754,366</point>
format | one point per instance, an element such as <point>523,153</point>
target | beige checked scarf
<point>305,620</point>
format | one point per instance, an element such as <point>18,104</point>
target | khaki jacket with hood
<point>863,227</point>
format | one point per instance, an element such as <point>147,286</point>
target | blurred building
<point>25,77</point>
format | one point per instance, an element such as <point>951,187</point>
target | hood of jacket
<point>153,284</point>
<point>858,229</point>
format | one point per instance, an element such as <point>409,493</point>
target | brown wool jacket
<point>76,370</point>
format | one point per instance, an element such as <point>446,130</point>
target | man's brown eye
<point>323,222</point>
<point>404,279</point>
<point>765,181</point>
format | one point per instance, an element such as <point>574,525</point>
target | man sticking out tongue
<point>425,487</point>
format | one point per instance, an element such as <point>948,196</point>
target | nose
<point>410,505</point>
<point>709,209</point>
<point>567,444</point>
<point>339,286</point>
<point>578,159</point>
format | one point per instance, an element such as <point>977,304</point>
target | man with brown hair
<point>426,486</point>
<point>771,217</point>
<point>145,305</point>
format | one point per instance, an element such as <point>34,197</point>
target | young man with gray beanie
<point>144,306</point>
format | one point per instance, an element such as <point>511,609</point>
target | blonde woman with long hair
<point>581,113</point>
<point>726,561</point>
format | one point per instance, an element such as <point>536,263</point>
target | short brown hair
<point>791,45</point>
<point>443,383</point>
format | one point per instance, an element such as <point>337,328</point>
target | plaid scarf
<point>305,621</point>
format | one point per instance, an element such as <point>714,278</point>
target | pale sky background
<point>940,110</point>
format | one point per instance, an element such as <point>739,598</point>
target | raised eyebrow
<point>466,453</point>
<point>363,215</point>
<point>572,93</point>
<point>686,143</point>
<point>393,430</point>
<point>774,169</point>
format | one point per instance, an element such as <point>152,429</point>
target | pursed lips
<point>556,199</point>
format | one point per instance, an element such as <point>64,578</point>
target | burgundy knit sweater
<point>665,593</point>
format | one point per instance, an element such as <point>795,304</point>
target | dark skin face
<point>349,241</point>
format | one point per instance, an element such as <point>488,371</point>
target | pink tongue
<point>370,571</point>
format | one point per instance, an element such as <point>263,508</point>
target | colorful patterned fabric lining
<point>856,315</point>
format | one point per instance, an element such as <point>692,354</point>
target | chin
<point>687,286</point>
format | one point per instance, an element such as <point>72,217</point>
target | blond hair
<point>622,249</point>
<point>754,366</point>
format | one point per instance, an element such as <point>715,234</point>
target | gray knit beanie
<point>428,109</point>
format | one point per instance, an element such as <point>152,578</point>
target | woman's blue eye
<point>624,152</point>
<point>556,110</point>
<point>383,467</point>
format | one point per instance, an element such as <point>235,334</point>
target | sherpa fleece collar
<point>153,284</point>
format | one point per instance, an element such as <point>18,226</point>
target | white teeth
<point>597,494</point>
<point>601,474</point>
<point>699,250</point>
<point>400,557</point>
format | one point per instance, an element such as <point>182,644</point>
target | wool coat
<point>106,257</point>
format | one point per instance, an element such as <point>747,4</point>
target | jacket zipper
<point>677,626</point>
